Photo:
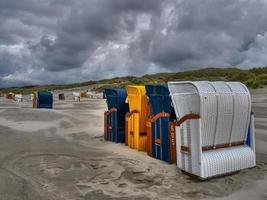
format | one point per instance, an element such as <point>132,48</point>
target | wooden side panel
<point>106,125</point>
<point>126,128</point>
<point>149,137</point>
<point>136,130</point>
<point>142,142</point>
<point>34,100</point>
<point>131,132</point>
<point>172,143</point>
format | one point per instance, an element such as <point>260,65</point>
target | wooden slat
<point>158,141</point>
<point>105,125</point>
<point>149,137</point>
<point>159,115</point>
<point>187,117</point>
<point>142,134</point>
<point>185,149</point>
<point>129,114</point>
<point>172,137</point>
<point>126,128</point>
<point>113,110</point>
<point>219,146</point>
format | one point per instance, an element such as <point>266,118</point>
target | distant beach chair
<point>61,96</point>
<point>76,96</point>
<point>10,95</point>
<point>43,99</point>
<point>83,95</point>
<point>18,98</point>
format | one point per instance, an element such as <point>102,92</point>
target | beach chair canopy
<point>137,100</point>
<point>115,98</point>
<point>224,108</point>
<point>159,99</point>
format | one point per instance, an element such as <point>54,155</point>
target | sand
<point>60,154</point>
<point>259,107</point>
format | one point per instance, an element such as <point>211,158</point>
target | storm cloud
<point>68,41</point>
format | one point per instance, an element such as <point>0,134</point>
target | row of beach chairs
<point>205,128</point>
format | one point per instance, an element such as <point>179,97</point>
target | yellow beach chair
<point>135,133</point>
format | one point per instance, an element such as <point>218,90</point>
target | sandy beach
<point>60,154</point>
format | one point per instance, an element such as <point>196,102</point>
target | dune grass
<point>253,78</point>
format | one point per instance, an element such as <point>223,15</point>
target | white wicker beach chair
<point>18,98</point>
<point>215,127</point>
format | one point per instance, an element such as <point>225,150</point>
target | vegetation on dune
<point>33,88</point>
<point>253,78</point>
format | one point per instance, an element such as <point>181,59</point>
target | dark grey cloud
<point>91,25</point>
<point>69,41</point>
<point>214,33</point>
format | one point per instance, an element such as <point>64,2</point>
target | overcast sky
<point>64,41</point>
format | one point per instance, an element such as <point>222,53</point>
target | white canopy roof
<point>224,108</point>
